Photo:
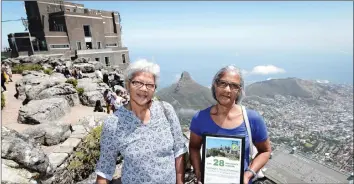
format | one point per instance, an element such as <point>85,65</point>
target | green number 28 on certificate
<point>218,162</point>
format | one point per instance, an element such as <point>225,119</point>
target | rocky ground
<point>46,118</point>
<point>12,106</point>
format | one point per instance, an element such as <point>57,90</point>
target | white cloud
<point>269,78</point>
<point>323,81</point>
<point>267,69</point>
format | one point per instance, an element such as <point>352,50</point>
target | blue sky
<point>308,40</point>
<point>217,142</point>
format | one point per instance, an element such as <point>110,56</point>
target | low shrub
<point>80,91</point>
<point>48,71</point>
<point>84,159</point>
<point>72,81</point>
<point>19,68</point>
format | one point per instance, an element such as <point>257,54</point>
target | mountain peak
<point>185,76</point>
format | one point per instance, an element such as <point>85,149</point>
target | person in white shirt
<point>99,74</point>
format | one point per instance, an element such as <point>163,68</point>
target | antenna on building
<point>24,6</point>
<point>25,23</point>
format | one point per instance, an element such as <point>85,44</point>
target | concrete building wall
<point>115,56</point>
<point>75,25</point>
<point>59,28</point>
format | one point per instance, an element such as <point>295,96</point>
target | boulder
<point>47,66</point>
<point>21,150</point>
<point>85,67</point>
<point>81,60</point>
<point>32,79</point>
<point>37,85</point>
<point>65,90</point>
<point>11,61</point>
<point>89,84</point>
<point>49,134</point>
<point>96,64</point>
<point>68,64</point>
<point>35,59</point>
<point>43,111</point>
<point>89,75</point>
<point>16,175</point>
<point>93,91</point>
<point>92,121</point>
<point>30,73</point>
<point>89,98</point>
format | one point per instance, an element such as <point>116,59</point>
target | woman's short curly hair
<point>142,66</point>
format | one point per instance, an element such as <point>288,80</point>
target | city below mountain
<point>314,117</point>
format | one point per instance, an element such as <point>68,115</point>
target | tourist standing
<point>98,74</point>
<point>98,107</point>
<point>80,75</point>
<point>8,71</point>
<point>145,132</point>
<point>227,118</point>
<point>3,79</point>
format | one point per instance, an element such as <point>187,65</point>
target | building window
<point>68,10</point>
<point>106,59</point>
<point>97,59</point>
<point>43,45</point>
<point>123,58</point>
<point>111,45</point>
<point>98,45</point>
<point>87,31</point>
<point>59,46</point>
<point>59,27</point>
<point>78,45</point>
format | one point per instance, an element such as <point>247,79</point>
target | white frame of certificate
<point>223,159</point>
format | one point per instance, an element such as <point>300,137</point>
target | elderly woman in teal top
<point>226,118</point>
<point>146,132</point>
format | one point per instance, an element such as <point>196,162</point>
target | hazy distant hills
<point>292,87</point>
<point>186,96</point>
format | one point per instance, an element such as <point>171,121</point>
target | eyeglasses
<point>224,84</point>
<point>139,84</point>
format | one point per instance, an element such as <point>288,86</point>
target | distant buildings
<point>63,28</point>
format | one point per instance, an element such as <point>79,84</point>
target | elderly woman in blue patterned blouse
<point>146,132</point>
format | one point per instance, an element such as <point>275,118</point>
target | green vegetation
<point>213,152</point>
<point>2,100</point>
<point>48,71</point>
<point>19,68</point>
<point>308,145</point>
<point>84,159</point>
<point>72,81</point>
<point>80,91</point>
<point>156,98</point>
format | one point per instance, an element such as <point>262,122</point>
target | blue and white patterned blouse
<point>149,151</point>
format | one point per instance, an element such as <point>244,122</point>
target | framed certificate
<point>223,159</point>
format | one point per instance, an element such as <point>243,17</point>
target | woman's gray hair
<point>142,66</point>
<point>220,73</point>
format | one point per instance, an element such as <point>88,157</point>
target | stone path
<point>9,114</point>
